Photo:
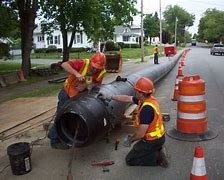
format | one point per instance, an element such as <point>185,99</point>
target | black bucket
<point>19,156</point>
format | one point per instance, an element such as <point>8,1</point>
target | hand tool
<point>69,176</point>
<point>103,163</point>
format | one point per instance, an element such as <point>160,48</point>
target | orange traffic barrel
<point>191,124</point>
<point>191,105</point>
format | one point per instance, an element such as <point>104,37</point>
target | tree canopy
<point>9,20</point>
<point>151,25</point>
<point>184,18</point>
<point>96,18</point>
<point>211,26</point>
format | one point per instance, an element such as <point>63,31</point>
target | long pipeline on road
<point>97,117</point>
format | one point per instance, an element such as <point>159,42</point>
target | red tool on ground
<point>116,143</point>
<point>103,163</point>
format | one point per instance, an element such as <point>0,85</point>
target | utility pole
<point>142,45</point>
<point>160,24</point>
<point>176,31</point>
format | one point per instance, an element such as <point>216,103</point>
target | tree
<point>23,14</point>
<point>184,20</point>
<point>166,37</point>
<point>96,18</point>
<point>8,18</point>
<point>211,26</point>
<point>151,25</point>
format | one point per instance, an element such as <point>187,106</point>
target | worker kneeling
<point>150,133</point>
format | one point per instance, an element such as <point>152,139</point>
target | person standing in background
<point>155,51</point>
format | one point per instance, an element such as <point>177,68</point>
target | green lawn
<point>7,66</point>
<point>127,53</point>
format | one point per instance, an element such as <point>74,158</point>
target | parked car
<point>193,42</point>
<point>217,48</point>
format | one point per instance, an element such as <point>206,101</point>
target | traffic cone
<point>175,92</point>
<point>182,62</point>
<point>198,171</point>
<point>21,75</point>
<point>180,70</point>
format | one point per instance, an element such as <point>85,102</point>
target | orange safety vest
<point>155,50</point>
<point>156,128</point>
<point>72,82</point>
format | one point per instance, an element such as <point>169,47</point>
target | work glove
<point>127,141</point>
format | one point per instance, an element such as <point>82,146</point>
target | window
<point>57,39</point>
<point>40,38</point>
<point>78,38</point>
<point>125,38</point>
<point>50,40</point>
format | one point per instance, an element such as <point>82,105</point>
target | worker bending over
<point>150,132</point>
<point>83,74</point>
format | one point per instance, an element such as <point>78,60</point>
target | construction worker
<point>150,133</point>
<point>155,51</point>
<point>83,74</point>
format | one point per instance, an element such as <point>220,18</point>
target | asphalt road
<point>52,164</point>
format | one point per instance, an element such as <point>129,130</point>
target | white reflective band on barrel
<point>191,98</point>
<point>198,168</point>
<point>191,116</point>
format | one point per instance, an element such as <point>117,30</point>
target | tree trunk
<point>27,13</point>
<point>65,45</point>
<point>66,49</point>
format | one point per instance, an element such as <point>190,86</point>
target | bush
<point>131,46</point>
<point>121,44</point>
<point>111,46</point>
<point>51,49</point>
<point>40,50</point>
<point>81,49</point>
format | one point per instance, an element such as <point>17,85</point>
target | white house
<point>43,40</point>
<point>127,35</point>
<point>121,34</point>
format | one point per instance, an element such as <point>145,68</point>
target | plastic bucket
<point>19,156</point>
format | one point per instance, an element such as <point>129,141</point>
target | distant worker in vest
<point>155,51</point>
<point>150,132</point>
<point>84,74</point>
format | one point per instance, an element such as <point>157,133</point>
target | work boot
<point>59,146</point>
<point>162,158</point>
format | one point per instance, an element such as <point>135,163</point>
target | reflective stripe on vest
<point>85,70</point>
<point>70,88</point>
<point>159,131</point>
<point>86,67</point>
<point>101,74</point>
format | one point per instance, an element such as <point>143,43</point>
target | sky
<point>196,7</point>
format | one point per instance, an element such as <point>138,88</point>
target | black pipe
<point>96,116</point>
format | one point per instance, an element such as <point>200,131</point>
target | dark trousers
<point>156,58</point>
<point>62,98</point>
<point>144,152</point>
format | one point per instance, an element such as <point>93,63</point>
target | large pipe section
<point>97,117</point>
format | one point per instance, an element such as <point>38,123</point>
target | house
<point>41,40</point>
<point>122,34</point>
<point>127,35</point>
